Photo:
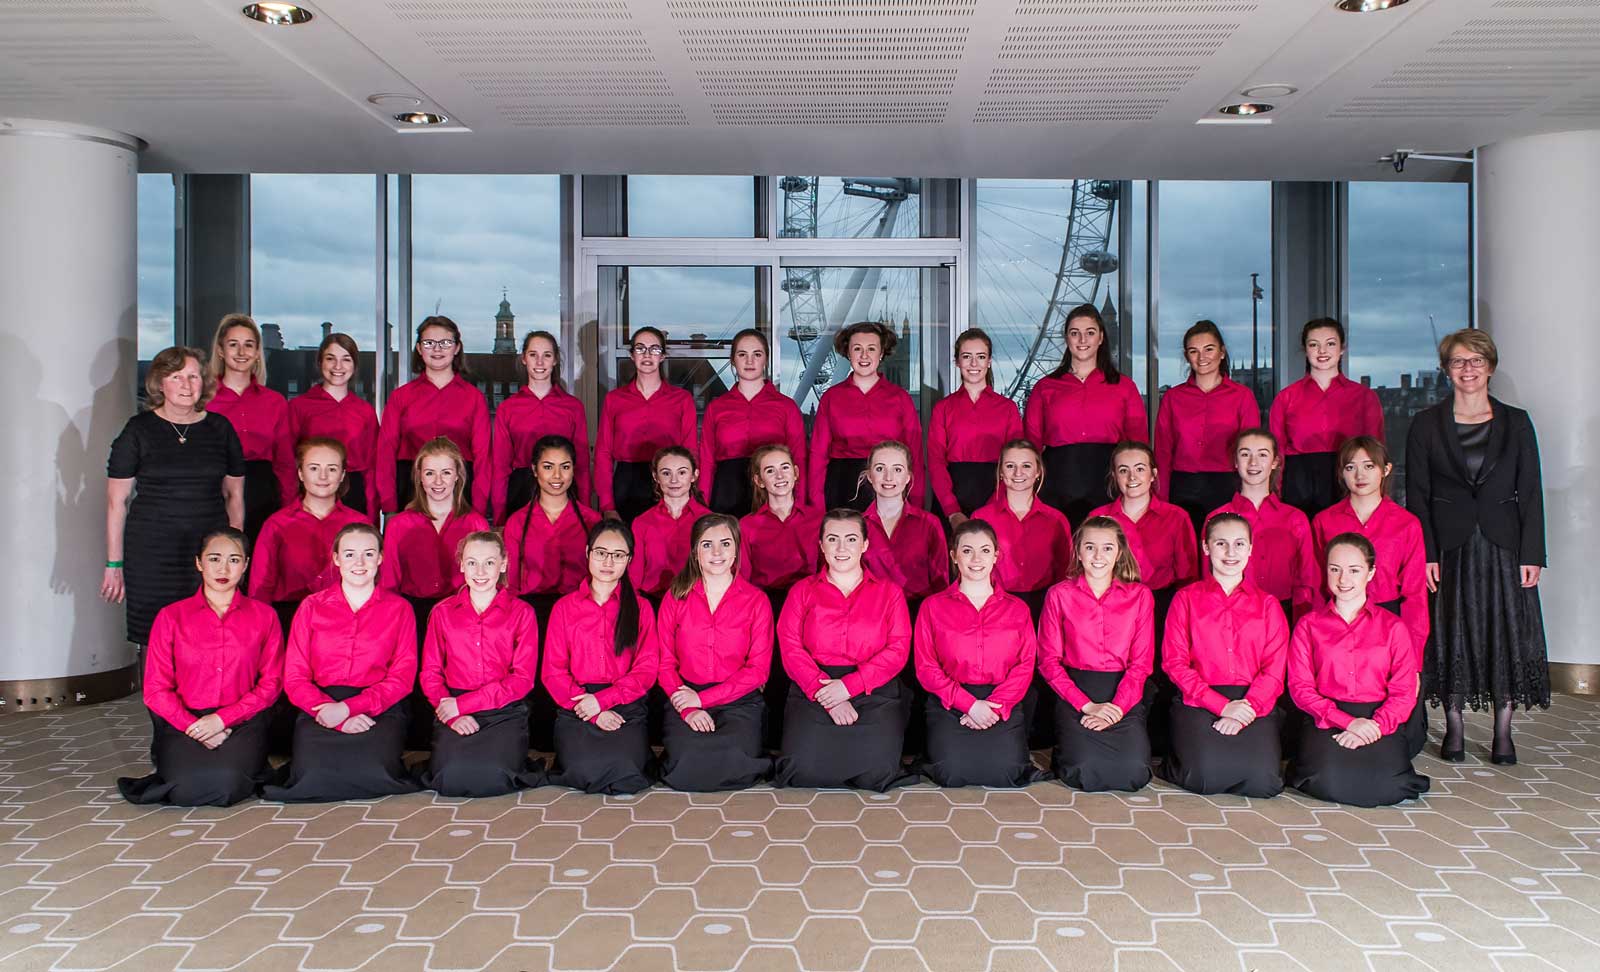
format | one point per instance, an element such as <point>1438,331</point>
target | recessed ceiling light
<point>1367,6</point>
<point>395,100</point>
<point>1269,90</point>
<point>420,118</point>
<point>276,13</point>
<point>1246,108</point>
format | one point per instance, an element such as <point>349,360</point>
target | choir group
<point>1240,605</point>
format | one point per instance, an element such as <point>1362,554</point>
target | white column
<point>67,372</point>
<point>1539,297</point>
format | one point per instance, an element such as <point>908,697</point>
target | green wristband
<point>114,563</point>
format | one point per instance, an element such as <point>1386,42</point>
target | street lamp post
<point>1256,294</point>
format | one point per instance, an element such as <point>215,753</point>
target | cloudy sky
<point>313,242</point>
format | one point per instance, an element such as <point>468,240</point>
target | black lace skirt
<point>1487,645</point>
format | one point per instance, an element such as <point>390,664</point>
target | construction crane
<point>1085,259</point>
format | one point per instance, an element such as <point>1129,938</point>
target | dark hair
<point>1038,454</point>
<point>1199,328</point>
<point>169,362</point>
<point>1351,538</point>
<point>968,528</point>
<point>1126,445</point>
<point>548,443</point>
<point>527,339</point>
<point>1318,324</point>
<point>1126,567</point>
<point>750,332</point>
<point>842,514</point>
<point>633,335</point>
<point>237,536</point>
<point>1102,356</point>
<point>323,442</point>
<point>627,633</point>
<point>975,334</point>
<point>351,529</point>
<point>1274,478</point>
<point>690,573</point>
<point>344,341</point>
<point>1223,519</point>
<point>1375,450</point>
<point>457,364</point>
<point>885,335</point>
<point>669,452</point>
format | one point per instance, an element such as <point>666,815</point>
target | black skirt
<point>1415,729</point>
<point>595,761</point>
<point>863,756</point>
<point>731,489</point>
<point>541,707</point>
<point>974,484</point>
<point>1310,481</point>
<point>1202,760</point>
<point>1159,688</point>
<point>1075,478</point>
<point>842,486</point>
<point>957,756</point>
<point>262,498</point>
<point>519,493</point>
<point>1198,493</point>
<point>777,687</point>
<point>419,727</point>
<point>355,492</point>
<point>1378,775</point>
<point>633,489</point>
<point>727,758</point>
<point>1115,758</point>
<point>491,762</point>
<point>402,482</point>
<point>187,774</point>
<point>329,765</point>
<point>1487,646</point>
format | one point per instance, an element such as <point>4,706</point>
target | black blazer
<point>1508,505</point>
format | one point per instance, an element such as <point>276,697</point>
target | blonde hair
<point>228,323</point>
<point>439,446</point>
<point>1473,340</point>
<point>1038,462</point>
<point>911,474</point>
<point>1126,568</point>
<point>758,492</point>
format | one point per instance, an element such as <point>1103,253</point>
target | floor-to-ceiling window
<point>1409,270</point>
<point>156,267</point>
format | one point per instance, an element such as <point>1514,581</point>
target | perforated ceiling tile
<point>593,116</point>
<point>1080,8</point>
<point>1434,107</point>
<point>1547,4</point>
<point>810,9</point>
<point>1102,79</point>
<point>1587,106</point>
<point>765,44</point>
<point>1080,110</point>
<point>624,44</point>
<point>479,10</point>
<point>1500,36</point>
<point>1120,41</point>
<point>576,83</point>
<point>68,12</point>
<point>871,83</point>
<point>820,113</point>
<point>1455,74</point>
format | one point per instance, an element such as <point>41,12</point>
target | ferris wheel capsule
<point>1099,262</point>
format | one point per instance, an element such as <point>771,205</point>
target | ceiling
<point>994,88</point>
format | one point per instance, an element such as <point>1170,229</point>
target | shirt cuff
<point>961,699</point>
<point>1214,702</point>
<point>606,698</point>
<point>853,683</point>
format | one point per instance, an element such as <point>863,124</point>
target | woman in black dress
<point>189,469</point>
<point>1472,478</point>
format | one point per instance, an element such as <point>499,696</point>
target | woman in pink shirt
<point>259,415</point>
<point>1195,426</point>
<point>213,668</point>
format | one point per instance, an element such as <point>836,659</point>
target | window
<point>1216,251</point>
<point>1410,284</point>
<point>888,207</point>
<point>691,206</point>
<point>156,256</point>
<point>1041,248</point>
<point>312,246</point>
<point>486,253</point>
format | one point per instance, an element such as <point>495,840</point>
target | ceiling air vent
<point>1081,110</point>
<point>821,113</point>
<point>1101,8</point>
<point>1434,107</point>
<point>815,9</point>
<point>769,44</point>
<point>1106,80</point>
<point>593,116</point>
<point>574,83</point>
<point>870,83</point>
<point>585,45</point>
<point>1121,41</point>
<point>502,10</point>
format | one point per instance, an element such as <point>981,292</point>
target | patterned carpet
<point>1497,869</point>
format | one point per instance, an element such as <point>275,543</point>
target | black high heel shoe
<point>1508,758</point>
<point>1457,755</point>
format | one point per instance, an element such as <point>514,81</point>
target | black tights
<point>1454,731</point>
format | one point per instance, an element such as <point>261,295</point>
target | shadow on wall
<point>96,641</point>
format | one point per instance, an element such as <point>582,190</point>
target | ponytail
<point>627,633</point>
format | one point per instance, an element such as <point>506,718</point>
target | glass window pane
<point>849,207</point>
<point>312,245</point>
<point>156,256</point>
<point>816,301</point>
<point>1041,248</point>
<point>1404,298</point>
<point>1137,268</point>
<point>1215,240</point>
<point>486,253</point>
<point>692,206</point>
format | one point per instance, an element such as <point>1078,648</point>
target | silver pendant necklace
<point>183,436</point>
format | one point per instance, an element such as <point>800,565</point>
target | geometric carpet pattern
<point>1498,868</point>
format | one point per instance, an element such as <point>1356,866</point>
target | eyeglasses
<point>649,350</point>
<point>610,556</point>
<point>442,344</point>
<point>1475,362</point>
